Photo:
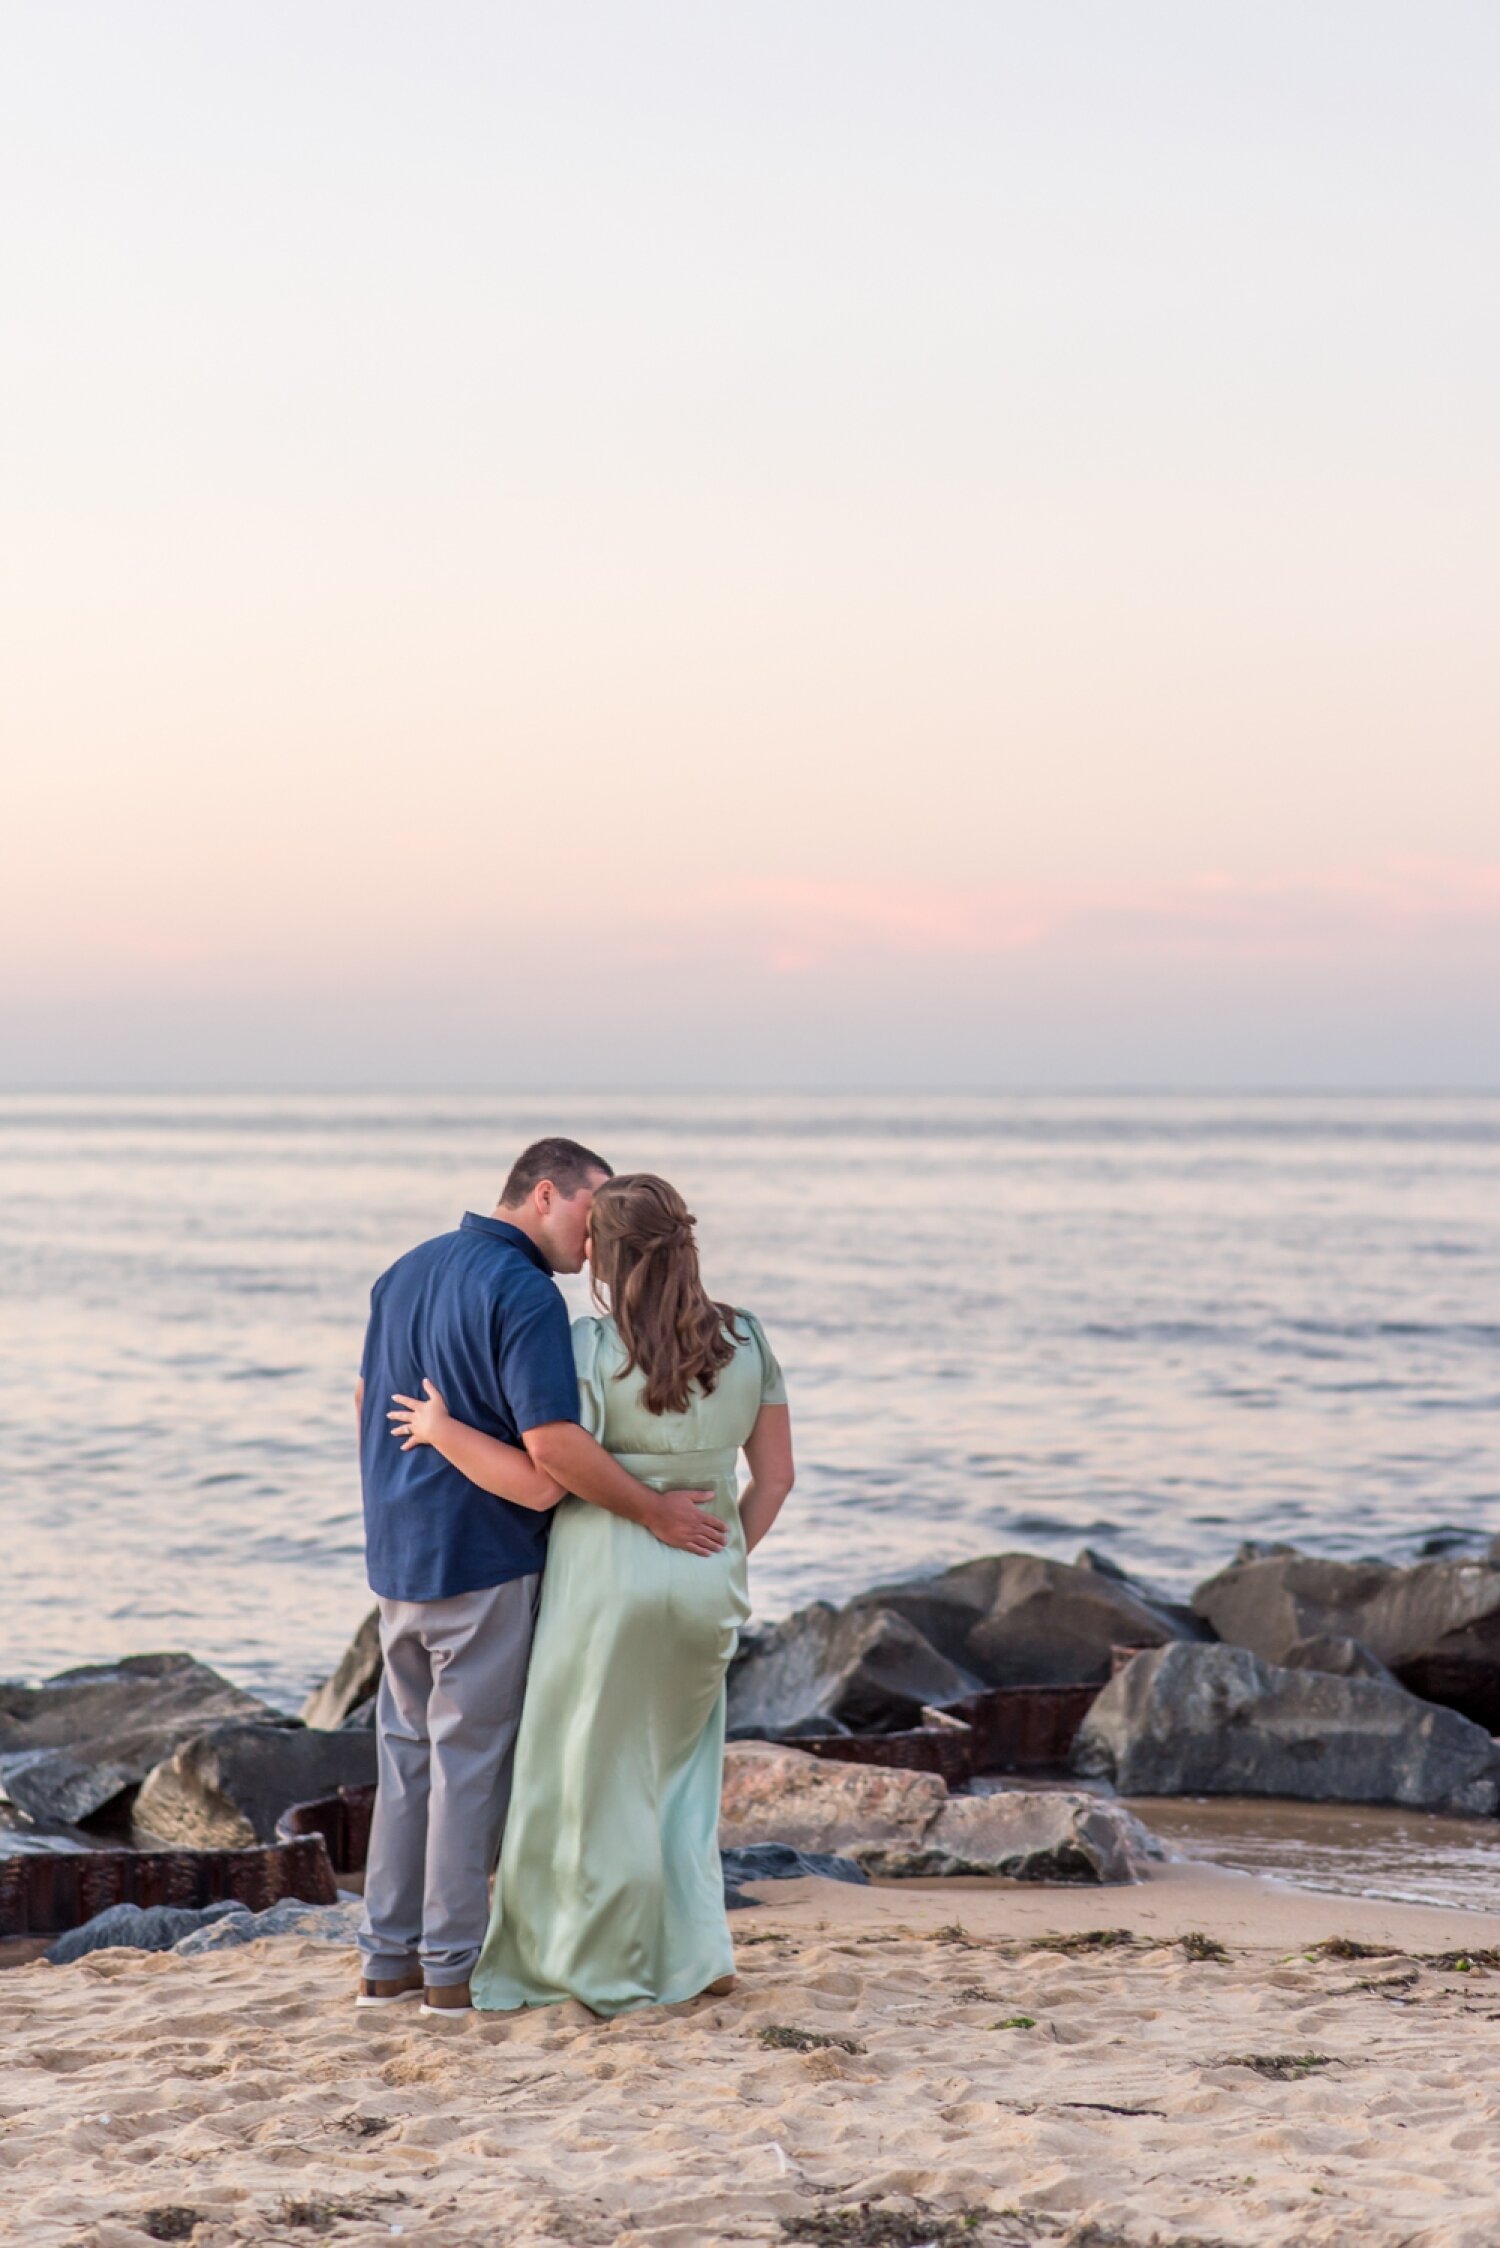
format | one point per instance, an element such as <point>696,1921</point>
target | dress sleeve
<point>772,1380</point>
<point>586,1334</point>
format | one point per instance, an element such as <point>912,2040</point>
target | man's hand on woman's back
<point>686,1523</point>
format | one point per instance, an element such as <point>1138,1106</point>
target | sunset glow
<point>949,549</point>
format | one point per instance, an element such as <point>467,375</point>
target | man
<point>457,1572</point>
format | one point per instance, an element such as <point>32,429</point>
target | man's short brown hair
<point>564,1162</point>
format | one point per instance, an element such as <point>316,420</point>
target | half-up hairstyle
<point>644,1254</point>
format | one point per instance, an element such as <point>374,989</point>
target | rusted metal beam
<point>43,1892</point>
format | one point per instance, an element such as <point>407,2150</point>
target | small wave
<point>1058,1526</point>
<point>1485,1332</point>
<point>1162,1331</point>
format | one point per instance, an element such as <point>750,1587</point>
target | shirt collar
<point>511,1235</point>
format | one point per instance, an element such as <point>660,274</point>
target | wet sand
<point>1345,1849</point>
<point>942,2062</point>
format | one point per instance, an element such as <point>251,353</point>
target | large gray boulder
<point>1209,1720</point>
<point>71,1747</point>
<point>862,1670</point>
<point>1015,1619</point>
<point>1435,1625</point>
<point>900,1825</point>
<point>350,1691</point>
<point>226,1789</point>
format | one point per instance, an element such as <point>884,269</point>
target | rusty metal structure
<point>1024,1730</point>
<point>341,1822</point>
<point>42,1892</point>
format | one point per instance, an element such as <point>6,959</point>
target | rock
<point>1024,1834</point>
<point>226,1789</point>
<point>858,1669</point>
<point>72,1746</point>
<point>1436,1625</point>
<point>1016,1619</point>
<point>318,1924</point>
<point>51,1786</point>
<point>776,1794</point>
<point>340,1699</point>
<point>137,1928</point>
<point>947,1608</point>
<point>1006,1619</point>
<point>1341,1657</point>
<point>1451,1538</point>
<point>777,1861</point>
<point>1268,1601</point>
<point>1178,1612</point>
<point>1196,1720</point>
<point>905,1824</point>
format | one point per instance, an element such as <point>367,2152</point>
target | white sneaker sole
<point>399,1999</point>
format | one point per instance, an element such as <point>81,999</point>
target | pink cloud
<point>792,926</point>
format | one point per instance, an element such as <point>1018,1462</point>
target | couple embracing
<point>556,1537</point>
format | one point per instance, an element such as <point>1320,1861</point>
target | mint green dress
<point>609,1887</point>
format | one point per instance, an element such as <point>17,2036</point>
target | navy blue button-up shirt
<point>477,1312</point>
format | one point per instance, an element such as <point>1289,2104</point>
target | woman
<point>609,1887</point>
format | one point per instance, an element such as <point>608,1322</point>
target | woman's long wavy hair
<point>645,1257</point>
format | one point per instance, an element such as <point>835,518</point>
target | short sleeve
<point>772,1380</point>
<point>586,1335</point>
<point>537,1379</point>
<point>366,1352</point>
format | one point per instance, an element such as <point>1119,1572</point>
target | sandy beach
<point>946,2064</point>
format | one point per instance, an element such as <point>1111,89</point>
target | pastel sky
<point>750,541</point>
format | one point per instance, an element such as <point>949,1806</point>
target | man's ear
<point>544,1194</point>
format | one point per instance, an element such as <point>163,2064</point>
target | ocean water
<point>1155,1325</point>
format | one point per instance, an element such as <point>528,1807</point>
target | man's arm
<point>678,1518</point>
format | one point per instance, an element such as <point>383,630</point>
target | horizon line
<point>474,1088</point>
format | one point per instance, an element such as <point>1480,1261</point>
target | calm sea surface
<point>1153,1325</point>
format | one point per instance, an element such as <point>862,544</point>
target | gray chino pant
<point>445,1729</point>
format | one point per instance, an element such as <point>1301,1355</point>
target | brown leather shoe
<point>447,1998</point>
<point>391,1990</point>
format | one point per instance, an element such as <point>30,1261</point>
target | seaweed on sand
<point>1198,1946</point>
<point>783,2038</point>
<point>365,2126</point>
<point>1284,2067</point>
<point>1087,1939</point>
<point>174,2220</point>
<point>1091,2234</point>
<point>1383,1983</point>
<point>1345,1947</point>
<point>869,2227</point>
<point>314,2212</point>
